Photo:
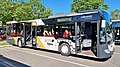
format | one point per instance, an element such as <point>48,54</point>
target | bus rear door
<point>27,33</point>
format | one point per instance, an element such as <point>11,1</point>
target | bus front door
<point>77,37</point>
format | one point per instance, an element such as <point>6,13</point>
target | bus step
<point>28,43</point>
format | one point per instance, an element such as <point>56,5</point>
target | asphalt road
<point>13,56</point>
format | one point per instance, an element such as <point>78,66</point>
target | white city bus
<point>116,30</point>
<point>89,33</point>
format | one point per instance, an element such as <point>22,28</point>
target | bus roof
<point>37,22</point>
<point>75,14</point>
<point>115,23</point>
<point>115,20</point>
<point>82,16</point>
<point>10,22</point>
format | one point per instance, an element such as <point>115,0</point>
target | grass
<point>3,43</point>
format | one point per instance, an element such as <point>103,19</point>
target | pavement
<point>4,43</point>
<point>6,62</point>
<point>13,56</point>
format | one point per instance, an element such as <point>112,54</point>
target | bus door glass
<point>27,31</point>
<point>102,32</point>
<point>109,33</point>
<point>34,32</point>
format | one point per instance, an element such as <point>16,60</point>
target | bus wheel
<point>20,43</point>
<point>64,49</point>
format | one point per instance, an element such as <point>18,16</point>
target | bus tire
<point>64,49</point>
<point>20,43</point>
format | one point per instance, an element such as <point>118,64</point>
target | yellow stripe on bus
<point>40,42</point>
<point>33,24</point>
<point>14,40</point>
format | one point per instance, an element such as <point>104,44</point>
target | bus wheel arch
<point>64,48</point>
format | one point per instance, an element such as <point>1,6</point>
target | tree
<point>20,10</point>
<point>23,12</point>
<point>39,10</point>
<point>6,10</point>
<point>115,14</point>
<point>79,5</point>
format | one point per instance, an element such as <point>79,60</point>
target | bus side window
<point>52,33</point>
<point>48,31</point>
<point>40,31</point>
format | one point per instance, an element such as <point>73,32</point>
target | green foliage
<point>20,10</point>
<point>115,14</point>
<point>79,5</point>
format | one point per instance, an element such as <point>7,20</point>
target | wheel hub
<point>64,49</point>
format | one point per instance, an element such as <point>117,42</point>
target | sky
<point>64,5</point>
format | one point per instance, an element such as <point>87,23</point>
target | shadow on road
<point>91,58</point>
<point>42,50</point>
<point>73,55</point>
<point>6,62</point>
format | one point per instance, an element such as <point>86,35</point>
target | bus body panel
<point>49,43</point>
<point>104,51</point>
<point>76,43</point>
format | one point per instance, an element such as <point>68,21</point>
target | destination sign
<point>64,19</point>
<point>86,17</point>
